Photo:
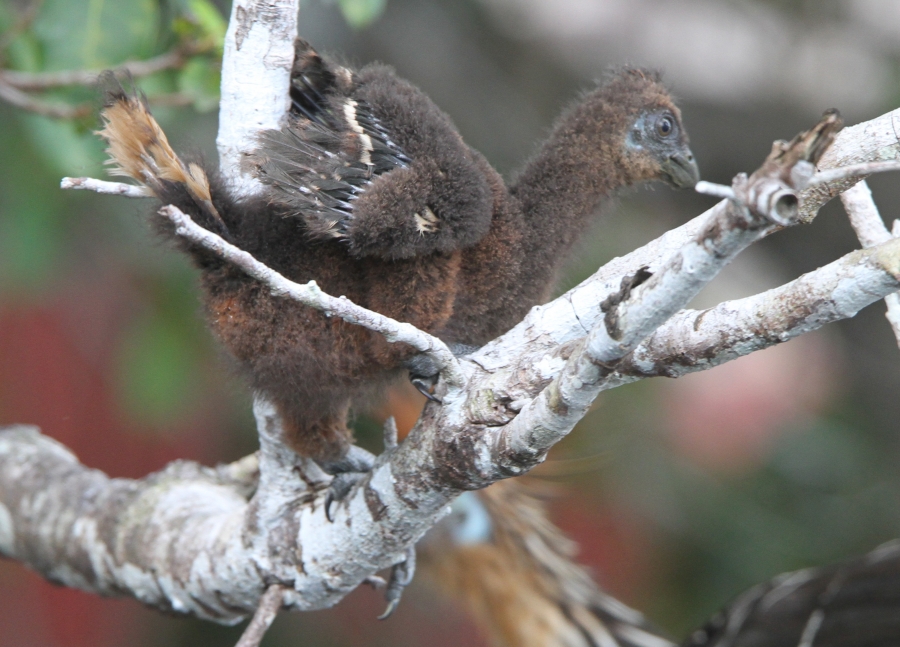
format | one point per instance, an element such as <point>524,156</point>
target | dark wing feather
<point>854,603</point>
<point>330,152</point>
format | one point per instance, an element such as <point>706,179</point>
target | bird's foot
<point>424,373</point>
<point>347,472</point>
<point>401,576</point>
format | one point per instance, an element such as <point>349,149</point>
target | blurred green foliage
<point>161,355</point>
<point>361,13</point>
<point>92,34</point>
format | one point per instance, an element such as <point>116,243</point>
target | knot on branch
<point>610,304</point>
<point>771,193</point>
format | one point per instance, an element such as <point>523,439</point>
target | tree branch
<point>32,81</point>
<point>211,542</point>
<point>870,230</point>
<point>695,340</point>
<point>256,76</point>
<point>102,186</point>
<point>269,606</point>
<point>25,101</point>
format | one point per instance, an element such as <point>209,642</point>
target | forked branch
<point>224,544</point>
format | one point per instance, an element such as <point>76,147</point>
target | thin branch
<point>312,296</point>
<point>716,190</point>
<point>695,340</point>
<point>864,216</point>
<point>853,171</point>
<point>870,229</point>
<point>31,81</point>
<point>269,606</point>
<point>102,186</point>
<point>24,101</point>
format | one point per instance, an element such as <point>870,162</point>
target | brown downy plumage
<point>373,194</point>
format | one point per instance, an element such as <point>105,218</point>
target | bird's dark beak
<point>681,170</point>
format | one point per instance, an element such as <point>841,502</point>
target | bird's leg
<point>402,573</point>
<point>401,576</point>
<point>351,468</point>
<point>424,373</point>
<point>347,471</point>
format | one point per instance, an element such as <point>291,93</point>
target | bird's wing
<point>330,152</point>
<point>369,160</point>
<point>853,603</point>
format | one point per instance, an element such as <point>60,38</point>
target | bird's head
<point>656,143</point>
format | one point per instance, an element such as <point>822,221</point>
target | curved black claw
<point>424,373</point>
<point>340,487</point>
<point>424,386</point>
<point>347,471</point>
<point>401,576</point>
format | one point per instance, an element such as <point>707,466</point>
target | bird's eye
<point>665,126</point>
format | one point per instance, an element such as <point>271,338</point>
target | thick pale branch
<point>643,304</point>
<point>870,230</point>
<point>695,340</point>
<point>187,539</point>
<point>256,69</point>
<point>160,539</point>
<point>644,301</point>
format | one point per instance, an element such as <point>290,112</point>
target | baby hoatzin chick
<point>371,191</point>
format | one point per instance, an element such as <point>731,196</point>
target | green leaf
<point>210,21</point>
<point>91,34</point>
<point>200,80</point>
<point>361,13</point>
<point>63,147</point>
<point>24,53</point>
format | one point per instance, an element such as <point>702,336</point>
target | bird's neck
<point>580,164</point>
